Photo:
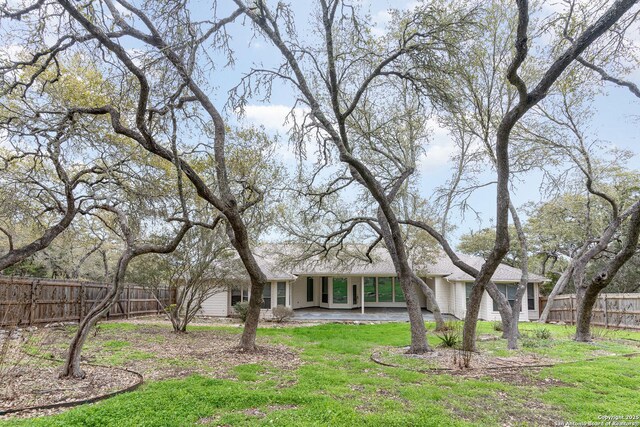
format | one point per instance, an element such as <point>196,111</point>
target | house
<point>356,284</point>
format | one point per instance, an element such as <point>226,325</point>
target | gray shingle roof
<point>276,267</point>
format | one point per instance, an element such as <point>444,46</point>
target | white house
<point>358,284</point>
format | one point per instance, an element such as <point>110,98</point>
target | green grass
<point>339,385</point>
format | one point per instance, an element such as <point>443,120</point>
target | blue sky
<point>615,121</point>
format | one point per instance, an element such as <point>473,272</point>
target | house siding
<point>216,305</point>
<point>299,293</point>
<point>442,290</point>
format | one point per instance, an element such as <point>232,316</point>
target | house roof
<point>277,265</point>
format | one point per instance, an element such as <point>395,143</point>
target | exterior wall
<point>443,291</point>
<point>459,304</point>
<point>217,304</point>
<point>491,315</point>
<point>299,293</point>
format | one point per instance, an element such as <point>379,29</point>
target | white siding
<point>442,289</point>
<point>216,305</point>
<point>491,315</point>
<point>299,292</point>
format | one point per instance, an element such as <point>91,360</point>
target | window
<point>239,294</point>
<point>397,290</point>
<point>309,289</point>
<point>531,297</point>
<point>509,290</point>
<point>282,293</point>
<point>340,290</point>
<point>266,296</point>
<point>369,289</point>
<point>385,289</point>
<point>325,290</point>
<point>467,289</point>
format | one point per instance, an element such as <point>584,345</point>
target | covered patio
<point>372,314</point>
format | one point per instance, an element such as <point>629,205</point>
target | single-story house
<point>359,284</point>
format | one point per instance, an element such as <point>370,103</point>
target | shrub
<point>542,333</point>
<point>497,326</point>
<point>242,310</point>
<point>282,313</point>
<point>449,338</point>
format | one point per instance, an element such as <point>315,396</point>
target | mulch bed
<point>152,350</point>
<point>37,384</point>
<point>453,361</point>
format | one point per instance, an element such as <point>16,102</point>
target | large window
<point>266,296</point>
<point>325,290</point>
<point>340,290</point>
<point>239,294</point>
<point>282,293</point>
<point>369,289</point>
<point>397,290</point>
<point>385,289</point>
<point>531,297</point>
<point>509,290</point>
<point>309,289</point>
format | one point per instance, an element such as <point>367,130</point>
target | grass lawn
<point>335,383</point>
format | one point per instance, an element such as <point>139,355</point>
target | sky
<point>615,121</point>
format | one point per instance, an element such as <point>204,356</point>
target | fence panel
<point>30,301</point>
<point>610,310</point>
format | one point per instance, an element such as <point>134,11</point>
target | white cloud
<point>279,119</point>
<point>275,117</point>
<point>439,151</point>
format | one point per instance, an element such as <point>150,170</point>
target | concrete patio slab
<point>373,314</point>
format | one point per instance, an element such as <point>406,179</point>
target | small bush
<point>449,338</point>
<point>497,326</point>
<point>542,333</point>
<point>242,310</point>
<point>282,313</point>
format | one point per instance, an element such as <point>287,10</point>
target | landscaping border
<point>73,403</point>
<point>375,358</point>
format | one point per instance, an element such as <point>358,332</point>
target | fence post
<point>606,317</point>
<point>34,300</point>
<point>83,301</point>
<point>571,305</point>
<point>128,305</point>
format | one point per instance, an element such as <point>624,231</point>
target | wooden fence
<point>31,301</point>
<point>610,310</point>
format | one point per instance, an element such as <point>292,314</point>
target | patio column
<point>362,295</point>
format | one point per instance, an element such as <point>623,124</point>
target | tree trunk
<point>248,338</point>
<point>585,301</point>
<point>431,297</point>
<point>557,290</point>
<point>512,332</point>
<point>71,367</point>
<point>471,318</point>
<point>406,276</point>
